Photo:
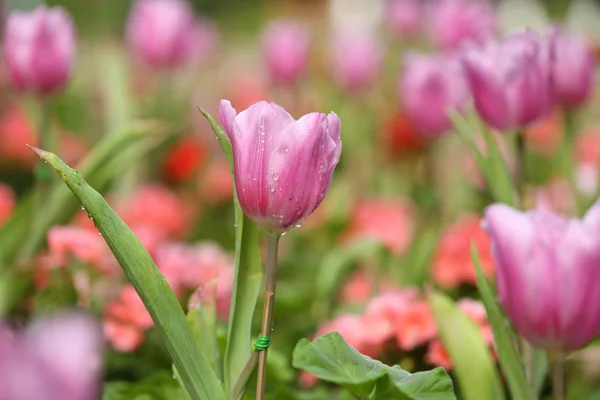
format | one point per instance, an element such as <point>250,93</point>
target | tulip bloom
<point>430,87</point>
<point>283,167</point>
<point>39,49</point>
<point>510,81</point>
<point>163,33</point>
<point>356,60</point>
<point>285,47</point>
<point>572,69</point>
<point>54,358</point>
<point>548,274</point>
<point>404,16</point>
<point>455,22</point>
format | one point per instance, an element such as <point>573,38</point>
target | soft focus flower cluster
<point>399,320</point>
<point>160,218</point>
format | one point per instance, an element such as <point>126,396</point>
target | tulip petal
<point>512,236</point>
<point>228,115</point>
<point>488,92</point>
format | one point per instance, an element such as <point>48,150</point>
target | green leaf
<point>167,314</point>
<point>202,317</point>
<point>247,280</point>
<point>504,337</point>
<point>477,375</point>
<point>331,359</point>
<point>60,206</point>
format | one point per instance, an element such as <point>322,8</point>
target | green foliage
<point>331,359</point>
<point>473,364</point>
<point>160,301</point>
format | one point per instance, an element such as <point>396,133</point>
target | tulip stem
<point>240,385</point>
<point>522,168</point>
<point>267,318</point>
<point>558,376</point>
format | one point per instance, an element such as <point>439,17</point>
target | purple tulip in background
<point>572,69</point>
<point>548,274</point>
<point>356,60</point>
<point>39,49</point>
<point>55,358</point>
<point>163,33</point>
<point>510,80</point>
<point>404,16</point>
<point>285,47</point>
<point>430,87</point>
<point>283,167</point>
<point>454,22</point>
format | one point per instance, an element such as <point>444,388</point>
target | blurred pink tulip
<point>55,358</point>
<point>573,67</point>
<point>404,16</point>
<point>431,86</point>
<point>356,60</point>
<point>39,49</point>
<point>285,47</point>
<point>84,245</point>
<point>547,273</point>
<point>163,33</point>
<point>126,320</point>
<point>510,81</point>
<point>283,167</point>
<point>454,22</point>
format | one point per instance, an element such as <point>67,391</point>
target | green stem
<point>528,359</point>
<point>267,318</point>
<point>558,377</point>
<point>240,384</point>
<point>522,168</point>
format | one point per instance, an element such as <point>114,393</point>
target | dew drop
<point>299,225</point>
<point>82,208</point>
<point>275,176</point>
<point>284,233</point>
<point>272,189</point>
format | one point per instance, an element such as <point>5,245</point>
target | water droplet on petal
<point>299,225</point>
<point>275,176</point>
<point>284,233</point>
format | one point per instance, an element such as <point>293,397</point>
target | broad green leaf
<point>247,280</point>
<point>160,301</point>
<point>473,365</point>
<point>504,337</point>
<point>331,359</point>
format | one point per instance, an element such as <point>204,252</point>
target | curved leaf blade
<point>167,314</point>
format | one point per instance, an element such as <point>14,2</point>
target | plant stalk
<point>559,388</point>
<point>240,384</point>
<point>267,318</point>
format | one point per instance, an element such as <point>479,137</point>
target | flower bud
<point>431,87</point>
<point>163,33</point>
<point>572,69</point>
<point>454,22</point>
<point>547,274</point>
<point>39,49</point>
<point>356,60</point>
<point>510,80</point>
<point>285,47</point>
<point>282,167</point>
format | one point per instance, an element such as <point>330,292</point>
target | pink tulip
<point>163,33</point>
<point>283,167</point>
<point>56,358</point>
<point>454,22</point>
<point>510,81</point>
<point>548,274</point>
<point>404,16</point>
<point>431,87</point>
<point>285,47</point>
<point>39,49</point>
<point>356,60</point>
<point>572,69</point>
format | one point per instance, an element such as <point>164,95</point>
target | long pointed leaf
<point>247,281</point>
<point>509,359</point>
<point>167,314</point>
<point>477,375</point>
